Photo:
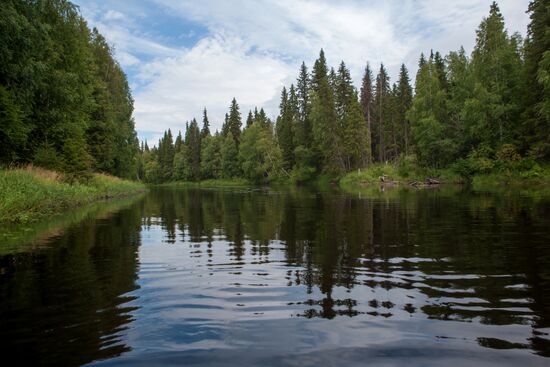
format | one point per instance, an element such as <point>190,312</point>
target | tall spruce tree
<point>234,122</point>
<point>303,90</point>
<point>205,131</point>
<point>367,101</point>
<point>382,95</point>
<point>249,119</point>
<point>193,144</point>
<point>284,127</point>
<point>403,100</point>
<point>320,71</point>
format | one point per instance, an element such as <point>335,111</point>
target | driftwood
<point>387,181</point>
<point>429,182</point>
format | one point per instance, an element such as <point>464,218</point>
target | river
<point>285,277</point>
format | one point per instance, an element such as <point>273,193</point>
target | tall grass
<point>29,193</point>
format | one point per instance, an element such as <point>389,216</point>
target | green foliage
<point>211,157</point>
<point>13,133</point>
<point>260,157</point>
<point>288,119</point>
<point>229,158</point>
<point>470,115</point>
<point>73,101</point>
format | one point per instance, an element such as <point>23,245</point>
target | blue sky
<point>183,55</point>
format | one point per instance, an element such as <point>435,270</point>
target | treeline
<point>65,103</point>
<point>466,112</point>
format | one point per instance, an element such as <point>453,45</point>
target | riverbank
<point>220,182</point>
<point>389,175</point>
<point>28,194</point>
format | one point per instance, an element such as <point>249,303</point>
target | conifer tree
<point>249,119</point>
<point>324,125</point>
<point>263,120</point>
<point>302,95</point>
<point>381,113</point>
<point>404,100</point>
<point>320,71</point>
<point>284,130</point>
<point>205,131</point>
<point>234,122</point>
<point>367,101</point>
<point>193,144</point>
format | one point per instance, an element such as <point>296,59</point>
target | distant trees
<point>65,103</point>
<point>64,100</point>
<point>465,111</point>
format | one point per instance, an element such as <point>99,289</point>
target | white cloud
<point>208,75</point>
<point>253,48</point>
<point>114,15</point>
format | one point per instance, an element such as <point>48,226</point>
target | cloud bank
<point>182,55</point>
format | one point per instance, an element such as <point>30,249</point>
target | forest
<point>475,113</point>
<point>65,104</point>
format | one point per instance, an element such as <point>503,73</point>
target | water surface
<point>286,277</point>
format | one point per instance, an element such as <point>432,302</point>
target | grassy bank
<point>398,175</point>
<point>27,194</point>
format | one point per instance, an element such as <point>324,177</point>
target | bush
<point>406,166</point>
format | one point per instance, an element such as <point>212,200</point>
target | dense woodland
<point>65,104</point>
<point>472,113</point>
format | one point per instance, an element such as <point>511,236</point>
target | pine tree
<point>178,144</point>
<point>284,130</point>
<point>303,89</point>
<point>404,100</point>
<point>441,71</point>
<point>193,144</point>
<point>367,101</point>
<point>225,126</point>
<point>380,112</point>
<point>249,119</point>
<point>234,122</point>
<point>166,156</point>
<point>263,120</point>
<point>205,131</point>
<point>320,71</point>
<point>324,127</point>
<point>344,90</point>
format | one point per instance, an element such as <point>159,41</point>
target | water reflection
<point>289,275</point>
<point>433,255</point>
<point>64,302</point>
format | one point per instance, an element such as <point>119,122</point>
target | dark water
<point>284,278</point>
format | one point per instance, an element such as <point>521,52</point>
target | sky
<point>182,56</point>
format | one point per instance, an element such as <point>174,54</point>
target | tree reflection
<point>66,304</point>
<point>439,254</point>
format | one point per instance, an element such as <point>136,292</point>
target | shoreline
<point>30,194</point>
